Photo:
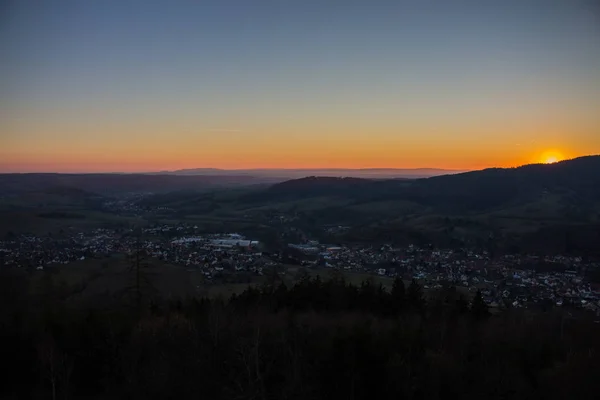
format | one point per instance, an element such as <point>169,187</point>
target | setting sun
<point>551,157</point>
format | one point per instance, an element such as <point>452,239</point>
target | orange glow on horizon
<point>355,150</point>
<point>551,157</point>
<point>227,88</point>
<point>83,164</point>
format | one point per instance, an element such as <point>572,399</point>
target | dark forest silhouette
<point>317,339</point>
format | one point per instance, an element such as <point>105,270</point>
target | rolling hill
<point>536,204</point>
<point>575,182</point>
<point>109,184</point>
<point>369,173</point>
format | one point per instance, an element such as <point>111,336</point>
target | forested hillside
<point>316,340</point>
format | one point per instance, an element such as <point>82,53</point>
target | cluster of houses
<point>39,252</point>
<point>232,240</point>
<point>512,280</point>
<point>229,257</point>
<point>214,255</point>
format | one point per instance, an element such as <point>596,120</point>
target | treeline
<point>319,339</point>
<point>336,295</point>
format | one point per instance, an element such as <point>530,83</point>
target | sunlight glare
<point>551,157</point>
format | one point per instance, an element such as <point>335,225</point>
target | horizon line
<point>164,171</point>
<point>208,169</point>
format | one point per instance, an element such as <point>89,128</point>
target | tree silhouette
<point>479,308</point>
<point>462,306</point>
<point>414,297</point>
<point>398,298</point>
<point>138,267</point>
<point>247,348</point>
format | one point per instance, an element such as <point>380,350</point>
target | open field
<point>44,221</point>
<point>106,280</point>
<point>101,281</point>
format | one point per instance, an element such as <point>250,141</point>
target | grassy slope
<point>44,221</point>
<point>100,282</point>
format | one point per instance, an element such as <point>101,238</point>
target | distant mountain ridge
<point>379,173</point>
<point>470,191</point>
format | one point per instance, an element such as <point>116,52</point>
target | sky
<point>118,85</point>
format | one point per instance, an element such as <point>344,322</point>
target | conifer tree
<point>414,297</point>
<point>479,309</point>
<point>398,295</point>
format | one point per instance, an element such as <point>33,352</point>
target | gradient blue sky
<point>144,85</point>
